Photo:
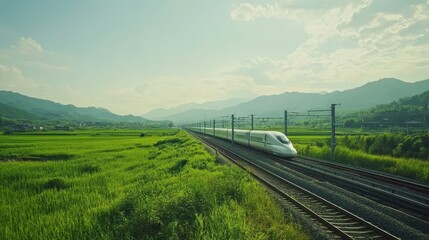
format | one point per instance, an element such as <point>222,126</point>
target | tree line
<point>391,144</point>
<point>410,109</point>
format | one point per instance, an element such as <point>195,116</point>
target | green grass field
<point>118,185</point>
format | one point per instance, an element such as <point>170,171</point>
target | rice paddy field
<point>146,184</point>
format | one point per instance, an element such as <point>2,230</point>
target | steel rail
<point>417,207</point>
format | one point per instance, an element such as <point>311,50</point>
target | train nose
<point>293,150</point>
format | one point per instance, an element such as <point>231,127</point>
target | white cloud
<point>260,70</point>
<point>47,66</point>
<point>383,46</point>
<point>380,20</point>
<point>28,55</point>
<point>12,78</point>
<point>249,12</point>
<point>27,46</point>
<point>320,24</point>
<point>389,34</point>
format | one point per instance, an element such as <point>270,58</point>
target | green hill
<point>15,106</point>
<point>408,110</point>
<point>15,113</point>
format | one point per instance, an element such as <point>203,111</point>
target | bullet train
<point>272,142</point>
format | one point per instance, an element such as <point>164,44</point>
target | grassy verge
<point>409,168</point>
<point>110,185</point>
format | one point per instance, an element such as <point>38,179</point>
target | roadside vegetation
<point>409,168</point>
<point>149,184</point>
<point>390,144</point>
<point>395,153</point>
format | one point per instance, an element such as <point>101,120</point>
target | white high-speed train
<point>272,142</point>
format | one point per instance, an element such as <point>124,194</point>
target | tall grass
<point>107,185</point>
<point>409,168</point>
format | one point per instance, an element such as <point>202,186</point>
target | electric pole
<point>204,126</point>
<point>286,122</point>
<point>425,111</point>
<point>333,124</point>
<point>232,128</point>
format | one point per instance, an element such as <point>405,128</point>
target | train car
<point>272,142</point>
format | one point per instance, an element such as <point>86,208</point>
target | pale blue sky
<point>133,56</point>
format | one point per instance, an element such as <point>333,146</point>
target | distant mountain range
<point>384,91</point>
<point>21,107</point>
<point>163,114</point>
<point>369,95</point>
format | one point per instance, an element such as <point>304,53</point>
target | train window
<point>239,136</point>
<point>282,139</point>
<point>256,139</point>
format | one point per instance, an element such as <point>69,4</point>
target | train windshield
<point>282,139</point>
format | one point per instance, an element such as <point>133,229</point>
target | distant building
<point>64,128</point>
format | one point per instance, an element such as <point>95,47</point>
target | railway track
<point>399,182</point>
<point>403,194</point>
<point>338,221</point>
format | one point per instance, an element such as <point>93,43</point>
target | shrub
<point>8,132</point>
<point>170,141</point>
<point>55,184</point>
<point>396,145</point>
<point>87,168</point>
